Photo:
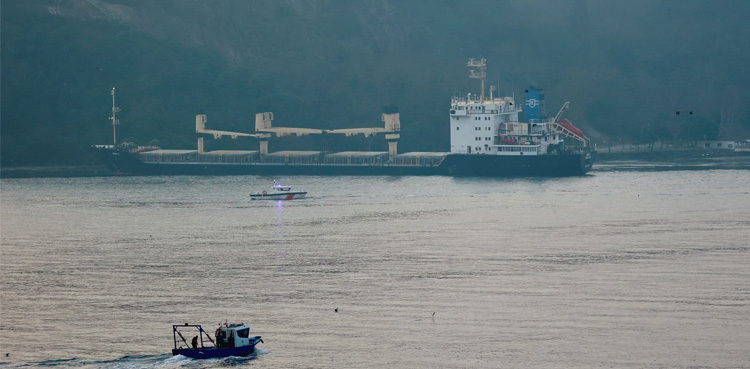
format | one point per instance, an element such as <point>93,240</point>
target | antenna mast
<point>479,73</point>
<point>114,120</point>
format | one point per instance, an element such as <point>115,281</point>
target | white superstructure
<point>490,126</point>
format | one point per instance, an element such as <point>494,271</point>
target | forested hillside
<point>625,66</point>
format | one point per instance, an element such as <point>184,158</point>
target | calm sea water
<point>639,269</point>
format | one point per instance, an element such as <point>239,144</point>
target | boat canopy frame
<point>176,333</point>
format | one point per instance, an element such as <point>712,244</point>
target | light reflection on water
<point>638,269</point>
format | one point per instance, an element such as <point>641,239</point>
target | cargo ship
<point>486,138</point>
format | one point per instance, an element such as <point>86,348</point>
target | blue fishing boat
<point>229,340</point>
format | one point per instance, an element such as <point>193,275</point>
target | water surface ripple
<point>634,269</point>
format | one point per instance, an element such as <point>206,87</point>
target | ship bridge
<point>475,120</point>
<point>491,126</point>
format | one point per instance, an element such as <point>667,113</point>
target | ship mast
<point>479,73</point>
<point>114,120</point>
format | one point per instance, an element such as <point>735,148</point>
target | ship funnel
<point>534,111</point>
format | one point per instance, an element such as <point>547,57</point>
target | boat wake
<point>163,361</point>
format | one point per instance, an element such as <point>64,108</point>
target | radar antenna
<point>115,121</point>
<point>479,73</point>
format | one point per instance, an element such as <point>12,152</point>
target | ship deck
<point>368,158</point>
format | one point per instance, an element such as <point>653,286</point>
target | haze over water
<point>613,269</point>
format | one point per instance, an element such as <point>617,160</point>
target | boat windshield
<point>243,333</point>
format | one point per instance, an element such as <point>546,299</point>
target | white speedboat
<point>279,192</point>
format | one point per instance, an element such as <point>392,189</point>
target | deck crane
<point>200,128</point>
<point>264,129</point>
<point>263,124</point>
<point>391,129</point>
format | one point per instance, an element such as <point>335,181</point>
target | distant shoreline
<point>647,155</point>
<point>678,157</point>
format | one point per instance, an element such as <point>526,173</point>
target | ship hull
<point>572,164</point>
<point>531,165</point>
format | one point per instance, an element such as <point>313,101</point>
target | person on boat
<point>195,342</point>
<point>231,338</point>
<point>218,337</point>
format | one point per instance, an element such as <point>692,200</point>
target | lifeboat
<point>570,127</point>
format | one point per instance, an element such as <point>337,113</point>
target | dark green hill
<point>625,66</point>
